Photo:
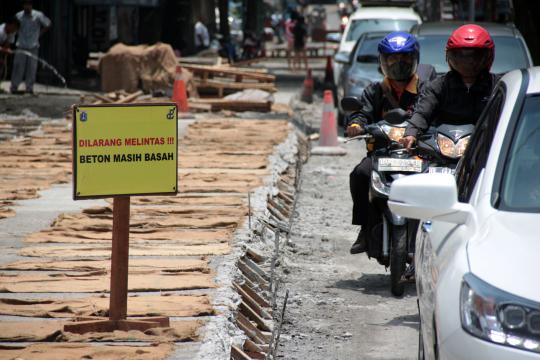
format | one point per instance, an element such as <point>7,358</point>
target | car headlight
<point>378,184</point>
<point>451,149</point>
<point>394,133</point>
<point>499,317</point>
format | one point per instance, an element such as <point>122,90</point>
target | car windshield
<point>509,53</point>
<point>358,27</point>
<point>521,175</point>
<point>368,50</point>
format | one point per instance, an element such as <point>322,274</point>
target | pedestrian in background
<point>33,24</point>
<point>8,30</point>
<point>202,37</point>
<point>300,40</point>
<point>289,36</point>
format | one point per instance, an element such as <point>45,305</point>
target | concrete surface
<point>340,305</point>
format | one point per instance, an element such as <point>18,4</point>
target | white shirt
<point>201,32</point>
<point>30,28</point>
<point>5,37</point>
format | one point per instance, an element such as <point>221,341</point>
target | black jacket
<point>447,100</point>
<point>377,99</point>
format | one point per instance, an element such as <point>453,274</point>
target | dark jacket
<point>447,100</point>
<point>378,98</point>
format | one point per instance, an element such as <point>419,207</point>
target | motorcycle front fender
<point>394,219</point>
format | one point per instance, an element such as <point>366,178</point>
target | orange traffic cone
<point>328,131</point>
<point>328,140</point>
<point>179,91</point>
<point>307,92</point>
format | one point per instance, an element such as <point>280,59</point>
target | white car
<point>370,19</point>
<point>478,246</point>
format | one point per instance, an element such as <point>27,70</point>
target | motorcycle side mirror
<point>395,116</point>
<point>351,103</point>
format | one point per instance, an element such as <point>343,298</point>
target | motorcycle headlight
<point>378,184</point>
<point>394,133</point>
<point>451,149</point>
<point>499,317</point>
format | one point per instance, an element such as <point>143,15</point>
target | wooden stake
<point>119,259</point>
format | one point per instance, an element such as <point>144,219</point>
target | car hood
<point>507,254</point>
<point>366,71</point>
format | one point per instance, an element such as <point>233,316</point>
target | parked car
<point>369,19</point>
<point>511,51</point>
<point>361,69</point>
<point>477,249</point>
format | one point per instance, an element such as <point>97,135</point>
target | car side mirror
<point>429,197</point>
<point>342,57</point>
<point>395,116</point>
<point>351,103</point>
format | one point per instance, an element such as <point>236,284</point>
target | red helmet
<point>472,36</point>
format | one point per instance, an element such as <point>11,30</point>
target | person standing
<point>8,30</point>
<point>289,36</point>
<point>33,24</point>
<point>202,38</point>
<point>300,40</point>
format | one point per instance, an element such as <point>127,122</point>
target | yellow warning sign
<point>124,150</point>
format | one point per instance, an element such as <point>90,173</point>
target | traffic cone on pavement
<point>179,91</point>
<point>307,92</point>
<point>328,131</point>
<point>328,139</point>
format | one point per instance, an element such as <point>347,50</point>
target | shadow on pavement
<point>373,284</point>
<point>412,321</point>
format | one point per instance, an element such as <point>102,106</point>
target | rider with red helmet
<point>459,96</point>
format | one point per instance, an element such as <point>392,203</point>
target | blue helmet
<point>399,42</point>
<point>394,67</point>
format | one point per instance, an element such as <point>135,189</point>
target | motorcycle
<point>390,236</point>
<point>443,146</point>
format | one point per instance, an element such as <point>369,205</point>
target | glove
<point>355,130</point>
<point>408,141</point>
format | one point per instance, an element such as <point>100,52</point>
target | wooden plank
<point>217,84</point>
<point>265,313</point>
<point>238,354</point>
<point>253,332</point>
<point>249,329</point>
<point>250,346</point>
<point>233,105</point>
<point>236,73</point>
<point>255,296</point>
<point>252,315</point>
<point>129,98</point>
<point>255,255</point>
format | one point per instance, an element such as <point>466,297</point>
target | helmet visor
<point>399,66</point>
<point>468,61</point>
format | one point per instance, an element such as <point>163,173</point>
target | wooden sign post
<point>141,135</point>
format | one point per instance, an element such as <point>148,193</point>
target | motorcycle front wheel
<point>398,259</point>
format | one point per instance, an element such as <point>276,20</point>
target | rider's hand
<point>354,130</point>
<point>408,141</point>
<point>6,50</point>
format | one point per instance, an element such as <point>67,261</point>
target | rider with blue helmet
<point>399,53</point>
